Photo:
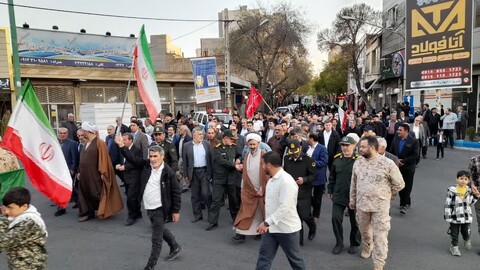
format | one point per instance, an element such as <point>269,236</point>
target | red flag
<point>253,102</point>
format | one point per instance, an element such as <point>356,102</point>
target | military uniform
<point>339,188</point>
<point>171,156</point>
<point>373,183</point>
<point>303,166</point>
<point>224,179</point>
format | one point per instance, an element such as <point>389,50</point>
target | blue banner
<point>410,101</point>
<point>205,79</point>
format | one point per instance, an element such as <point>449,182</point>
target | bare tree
<point>274,52</point>
<point>350,24</point>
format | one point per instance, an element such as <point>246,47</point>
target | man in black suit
<point>330,139</point>
<point>69,149</point>
<point>161,196</point>
<point>197,156</point>
<point>405,147</point>
<point>184,138</point>
<point>131,176</point>
<point>123,128</point>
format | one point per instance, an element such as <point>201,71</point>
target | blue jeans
<point>289,244</point>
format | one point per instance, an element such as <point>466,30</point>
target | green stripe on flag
<point>31,101</point>
<point>10,180</point>
<point>146,51</point>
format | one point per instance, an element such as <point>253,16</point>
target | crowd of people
<point>272,170</point>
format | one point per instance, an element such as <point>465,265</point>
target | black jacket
<point>409,152</point>
<point>132,171</point>
<point>170,189</point>
<point>333,146</point>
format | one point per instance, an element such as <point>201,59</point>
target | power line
<point>110,15</point>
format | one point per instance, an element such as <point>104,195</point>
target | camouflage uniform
<point>24,243</point>
<point>374,181</point>
<point>8,162</point>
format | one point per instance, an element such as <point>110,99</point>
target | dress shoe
<point>238,238</point>
<point>84,218</point>
<point>311,235</point>
<point>352,249</point>
<point>174,254</point>
<point>337,249</point>
<point>60,212</point>
<point>75,206</point>
<point>148,267</point>
<point>196,219</point>
<point>130,222</point>
<point>211,226</point>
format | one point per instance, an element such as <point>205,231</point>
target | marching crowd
<point>272,170</point>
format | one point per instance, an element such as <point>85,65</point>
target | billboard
<point>45,47</point>
<point>438,44</point>
<point>207,88</point>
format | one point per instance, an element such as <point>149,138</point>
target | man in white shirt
<point>161,197</point>
<point>271,129</point>
<point>282,222</point>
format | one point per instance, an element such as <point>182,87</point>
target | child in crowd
<point>458,211</point>
<point>441,142</point>
<point>22,231</point>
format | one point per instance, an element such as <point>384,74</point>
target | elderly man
<point>197,168</point>
<point>375,179</point>
<point>69,149</point>
<point>382,146</point>
<point>97,187</point>
<point>251,212</point>
<point>71,126</point>
<point>123,128</point>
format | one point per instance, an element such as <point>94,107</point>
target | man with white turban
<point>254,181</point>
<point>97,187</point>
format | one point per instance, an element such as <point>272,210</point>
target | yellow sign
<point>435,23</point>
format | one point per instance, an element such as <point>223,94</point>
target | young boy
<point>22,231</point>
<point>441,141</point>
<point>458,211</point>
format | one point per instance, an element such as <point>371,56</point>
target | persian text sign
<point>438,44</point>
<point>205,79</point>
<point>44,47</point>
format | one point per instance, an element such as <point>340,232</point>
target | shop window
<point>92,95</point>
<point>61,94</point>
<point>115,94</point>
<point>41,92</point>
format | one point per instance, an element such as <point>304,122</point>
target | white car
<point>202,116</point>
<point>285,109</point>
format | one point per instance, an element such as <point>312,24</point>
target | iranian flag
<point>30,137</point>
<point>343,117</point>
<point>147,84</point>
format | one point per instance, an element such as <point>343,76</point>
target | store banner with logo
<point>205,79</point>
<point>438,44</point>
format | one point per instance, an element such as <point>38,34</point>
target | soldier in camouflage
<point>171,157</point>
<point>22,232</point>
<point>375,179</point>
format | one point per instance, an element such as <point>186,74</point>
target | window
<point>477,13</point>
<point>392,17</point>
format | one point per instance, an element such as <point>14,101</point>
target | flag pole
<point>266,104</point>
<point>128,89</point>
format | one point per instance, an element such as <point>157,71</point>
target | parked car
<point>202,117</point>
<point>285,109</point>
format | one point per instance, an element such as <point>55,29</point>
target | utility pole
<point>228,84</point>
<point>16,65</point>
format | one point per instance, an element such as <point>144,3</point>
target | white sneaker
<point>455,251</point>
<point>468,245</point>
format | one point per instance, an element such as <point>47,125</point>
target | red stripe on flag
<point>40,179</point>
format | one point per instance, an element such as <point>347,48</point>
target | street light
<point>350,18</point>
<point>227,54</point>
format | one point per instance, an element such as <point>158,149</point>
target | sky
<point>318,13</point>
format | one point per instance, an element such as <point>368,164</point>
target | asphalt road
<point>417,240</point>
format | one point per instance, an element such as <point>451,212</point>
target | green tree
<point>333,79</point>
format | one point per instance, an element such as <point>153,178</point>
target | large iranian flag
<point>147,84</point>
<point>31,138</point>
